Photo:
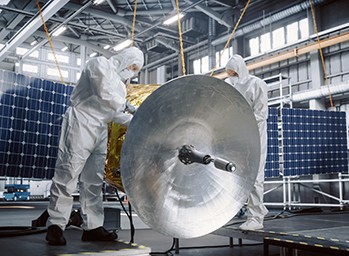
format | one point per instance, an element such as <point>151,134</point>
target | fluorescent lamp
<point>59,31</point>
<point>173,19</point>
<point>64,48</point>
<point>122,45</point>
<point>17,64</point>
<point>97,2</point>
<point>33,43</point>
<point>93,54</point>
<point>106,47</point>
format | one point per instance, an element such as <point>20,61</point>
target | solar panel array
<point>31,111</point>
<point>314,142</point>
<point>272,165</point>
<point>30,119</point>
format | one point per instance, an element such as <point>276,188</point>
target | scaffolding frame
<point>291,195</point>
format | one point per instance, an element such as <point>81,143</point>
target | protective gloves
<point>130,108</point>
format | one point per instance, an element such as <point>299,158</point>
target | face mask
<point>126,74</point>
<point>234,79</point>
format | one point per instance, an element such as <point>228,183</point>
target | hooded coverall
<point>98,98</point>
<point>255,92</point>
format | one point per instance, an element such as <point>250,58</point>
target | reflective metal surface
<point>187,201</point>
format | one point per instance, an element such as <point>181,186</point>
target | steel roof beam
<point>14,22</point>
<point>75,41</point>
<point>104,15</point>
<point>168,43</point>
<point>211,13</point>
<point>47,11</point>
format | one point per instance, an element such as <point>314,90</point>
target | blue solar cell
<point>316,137</point>
<point>272,150</point>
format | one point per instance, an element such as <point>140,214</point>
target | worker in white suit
<point>255,92</point>
<point>98,98</point>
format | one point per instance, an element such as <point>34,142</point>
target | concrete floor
<point>22,213</point>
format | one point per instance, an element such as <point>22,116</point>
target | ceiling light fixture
<point>106,47</point>
<point>97,2</point>
<point>33,43</point>
<point>122,45</point>
<point>64,48</point>
<point>173,19</point>
<point>59,31</point>
<point>93,54</point>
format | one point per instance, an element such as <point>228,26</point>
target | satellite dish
<point>190,156</point>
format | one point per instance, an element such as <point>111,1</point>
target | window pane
<point>219,64</point>
<point>30,68</point>
<point>60,58</point>
<point>196,65</point>
<point>54,72</point>
<point>204,64</point>
<point>225,57</point>
<point>278,37</point>
<point>254,46</point>
<point>35,54</point>
<point>304,27</point>
<point>21,51</point>
<point>265,42</point>
<point>292,32</point>
<point>78,76</point>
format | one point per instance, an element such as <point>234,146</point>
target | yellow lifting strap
<point>180,38</point>
<point>230,37</point>
<point>134,22</point>
<point>49,41</point>
<point>321,54</point>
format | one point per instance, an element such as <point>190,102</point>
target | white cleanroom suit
<point>255,92</point>
<point>98,98</point>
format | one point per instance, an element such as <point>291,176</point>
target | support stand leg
<point>176,246</point>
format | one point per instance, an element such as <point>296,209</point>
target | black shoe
<point>55,236</point>
<point>98,234</point>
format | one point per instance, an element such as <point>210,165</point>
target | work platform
<point>325,233</point>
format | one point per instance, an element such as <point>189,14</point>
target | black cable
<point>129,216</point>
<point>131,223</point>
<point>168,252</point>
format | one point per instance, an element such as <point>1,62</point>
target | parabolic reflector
<point>187,201</point>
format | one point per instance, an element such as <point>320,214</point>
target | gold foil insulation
<point>136,94</point>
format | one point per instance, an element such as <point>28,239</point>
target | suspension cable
<point>321,54</point>
<point>49,40</point>
<point>230,37</point>
<point>180,38</point>
<point>134,22</point>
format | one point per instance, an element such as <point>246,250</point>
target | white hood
<point>238,64</point>
<point>128,57</point>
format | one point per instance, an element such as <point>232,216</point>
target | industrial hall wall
<point>31,111</point>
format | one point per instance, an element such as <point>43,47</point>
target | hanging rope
<point>180,38</point>
<point>134,22</point>
<point>49,41</point>
<point>230,37</point>
<point>321,54</point>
